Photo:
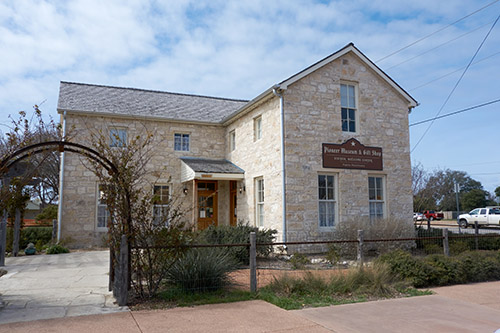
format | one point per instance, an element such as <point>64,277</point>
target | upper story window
<point>117,137</point>
<point>257,128</point>
<point>232,140</point>
<point>161,202</point>
<point>259,201</point>
<point>348,107</point>
<point>376,197</point>
<point>181,142</point>
<point>327,200</point>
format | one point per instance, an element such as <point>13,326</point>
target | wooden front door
<point>207,203</point>
<point>233,196</point>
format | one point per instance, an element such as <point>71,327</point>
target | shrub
<point>388,228</point>
<point>28,235</point>
<point>202,270</point>
<point>56,249</point>
<point>299,260</point>
<point>439,270</point>
<point>332,254</point>
<point>48,213</point>
<point>238,235</point>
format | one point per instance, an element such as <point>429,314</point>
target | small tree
<point>157,240</point>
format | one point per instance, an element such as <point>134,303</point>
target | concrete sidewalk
<point>463,308</point>
<point>54,286</point>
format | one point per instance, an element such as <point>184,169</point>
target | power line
<point>453,72</point>
<point>456,112</point>
<point>438,46</point>
<point>435,32</point>
<point>456,84</point>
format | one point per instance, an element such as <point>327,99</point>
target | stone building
<point>326,145</point>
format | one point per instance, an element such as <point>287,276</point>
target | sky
<point>238,49</point>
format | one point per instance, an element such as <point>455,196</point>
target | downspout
<point>278,92</point>
<point>61,183</point>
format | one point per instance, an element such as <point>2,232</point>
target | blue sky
<point>238,49</point>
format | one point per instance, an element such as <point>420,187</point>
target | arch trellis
<point>119,275</point>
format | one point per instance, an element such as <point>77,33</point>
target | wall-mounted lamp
<point>242,187</point>
<point>185,190</point>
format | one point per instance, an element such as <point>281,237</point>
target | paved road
<point>54,286</point>
<point>453,227</point>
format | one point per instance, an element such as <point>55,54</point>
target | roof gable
<point>349,48</point>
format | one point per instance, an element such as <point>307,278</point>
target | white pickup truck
<point>483,216</point>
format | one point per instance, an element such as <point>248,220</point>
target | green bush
<point>200,270</point>
<point>56,249</point>
<point>48,213</point>
<point>299,260</point>
<point>28,235</point>
<point>439,270</point>
<point>238,235</point>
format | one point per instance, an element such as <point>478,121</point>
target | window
<point>118,137</point>
<point>257,128</point>
<point>348,107</point>
<point>161,203</point>
<point>232,140</point>
<point>181,142</point>
<point>376,197</point>
<point>327,201</point>
<point>259,201</point>
<point>103,215</point>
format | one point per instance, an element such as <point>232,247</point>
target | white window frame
<point>348,107</point>
<point>328,201</point>
<point>259,201</point>
<point>161,206</point>
<point>118,137</point>
<point>99,207</point>
<point>185,141</point>
<point>257,128</point>
<point>232,140</point>
<point>376,199</point>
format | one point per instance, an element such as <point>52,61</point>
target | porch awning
<point>209,169</point>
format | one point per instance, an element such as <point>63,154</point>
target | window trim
<point>356,107</point>
<point>259,218</point>
<point>169,194</point>
<point>335,201</point>
<point>232,140</point>
<point>98,205</point>
<point>112,138</point>
<point>182,136</point>
<point>383,200</point>
<point>257,128</point>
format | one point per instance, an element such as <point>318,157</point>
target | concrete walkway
<point>55,286</point>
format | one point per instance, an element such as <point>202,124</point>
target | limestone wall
<point>261,158</point>
<point>80,186</point>
<point>313,117</point>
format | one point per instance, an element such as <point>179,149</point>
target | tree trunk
<point>17,232</point>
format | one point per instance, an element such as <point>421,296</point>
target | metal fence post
<point>446,245</point>
<point>253,262</point>
<point>54,229</point>
<point>17,232</point>
<point>3,237</point>
<point>360,247</point>
<point>476,226</point>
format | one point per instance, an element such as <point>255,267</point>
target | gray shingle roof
<point>211,165</point>
<point>137,102</point>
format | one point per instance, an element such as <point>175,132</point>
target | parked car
<point>418,217</point>
<point>432,215</point>
<point>483,216</point>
